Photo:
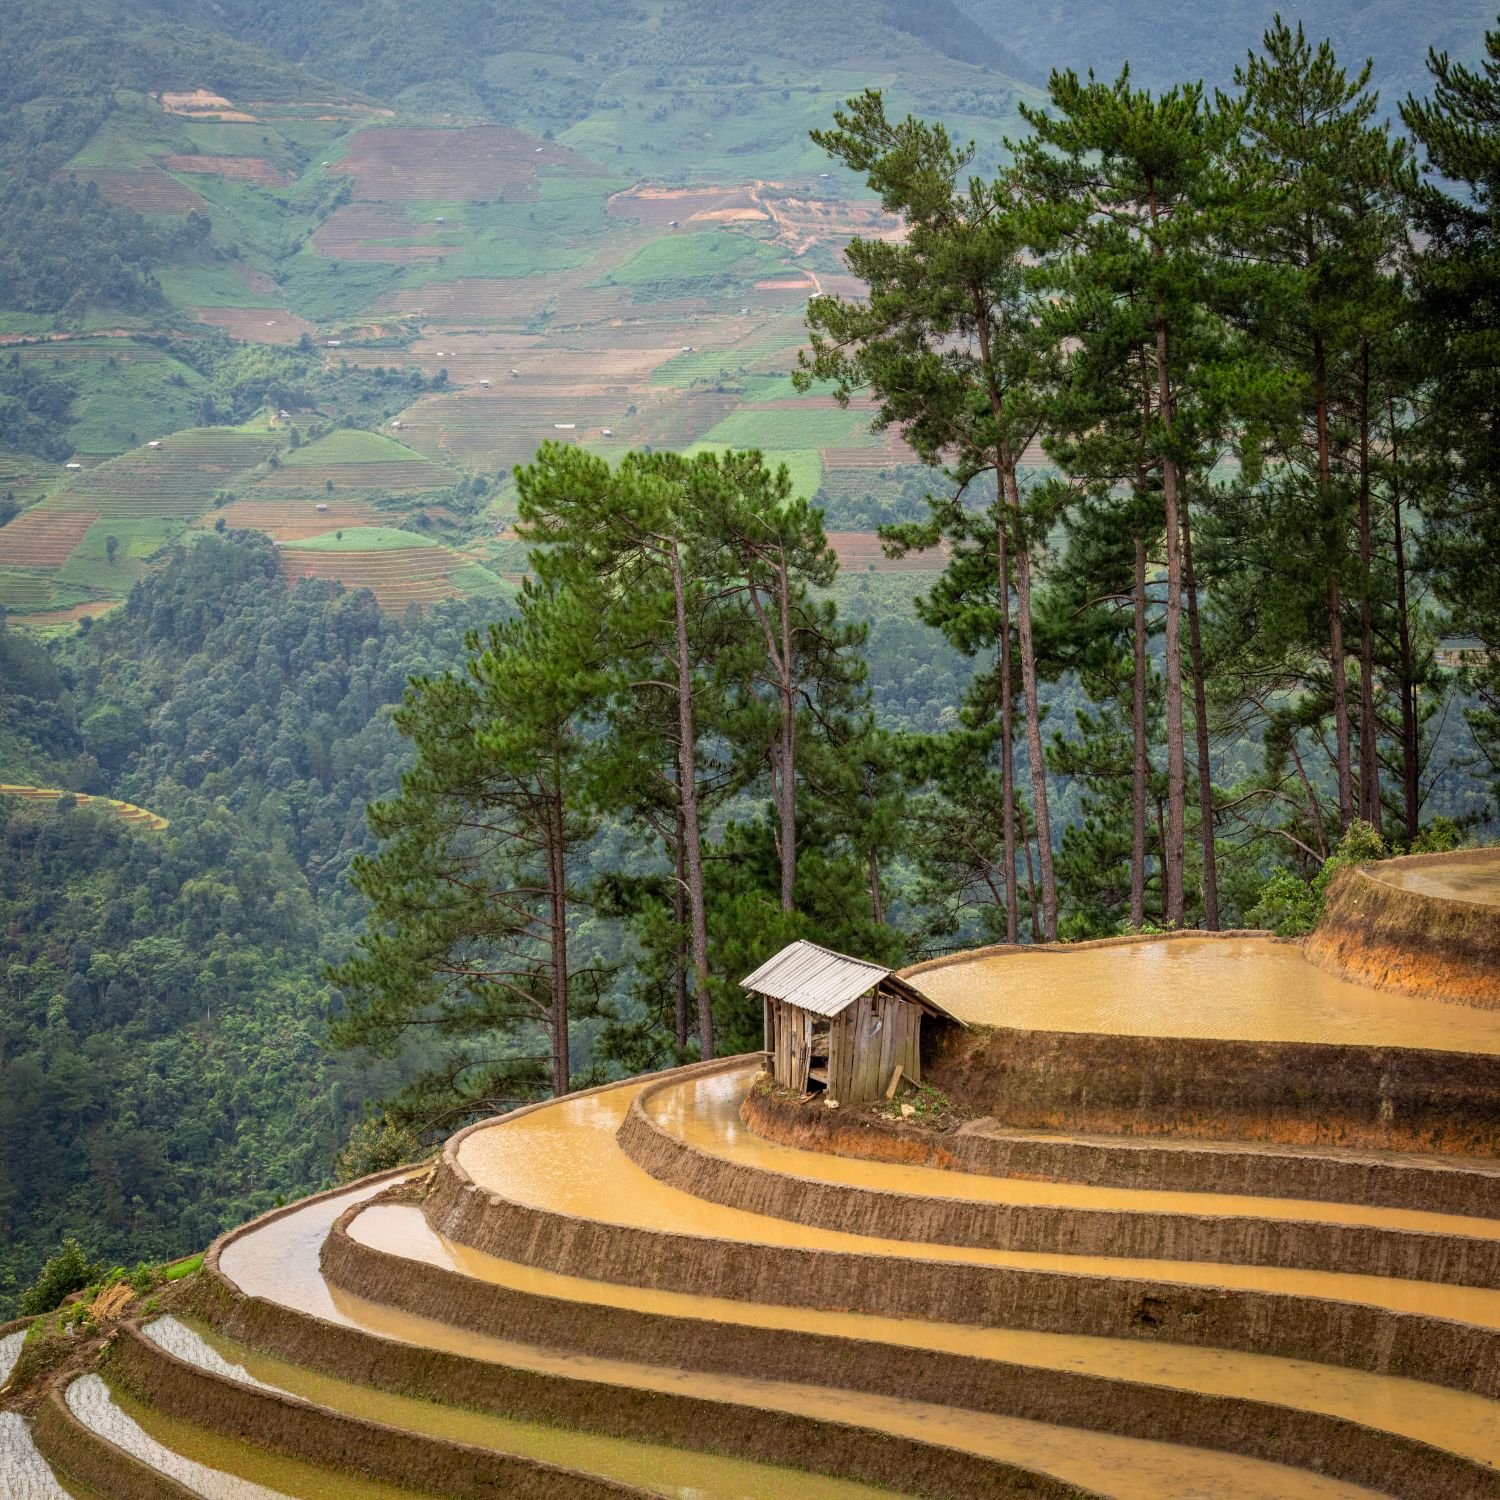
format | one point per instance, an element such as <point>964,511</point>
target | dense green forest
<point>163,1017</point>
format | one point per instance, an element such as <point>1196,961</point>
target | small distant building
<point>564,426</point>
<point>71,467</point>
<point>484,382</point>
<point>155,443</point>
<point>606,432</point>
<point>335,343</point>
<point>515,374</point>
<point>840,1024</point>
<point>320,506</point>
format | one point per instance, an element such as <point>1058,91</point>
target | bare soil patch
<point>258,325</point>
<point>659,206</point>
<point>424,165</point>
<point>254,169</point>
<point>44,537</point>
<point>200,104</point>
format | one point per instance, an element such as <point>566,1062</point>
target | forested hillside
<point>162,1006</point>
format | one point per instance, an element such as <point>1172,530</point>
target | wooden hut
<point>840,1024</point>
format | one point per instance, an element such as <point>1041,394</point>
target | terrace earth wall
<point>1291,1093</point>
<point>1385,1461</point>
<point>1390,937</point>
<point>987,1147</point>
<point>1063,1229</point>
<point>1361,1336</point>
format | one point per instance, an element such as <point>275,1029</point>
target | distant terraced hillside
<point>126,812</point>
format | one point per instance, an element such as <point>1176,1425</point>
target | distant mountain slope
<point>1166,41</point>
<point>387,47</point>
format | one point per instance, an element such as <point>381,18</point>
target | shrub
<point>1288,906</point>
<point>375,1145</point>
<point>69,1270</point>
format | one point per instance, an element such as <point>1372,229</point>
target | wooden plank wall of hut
<point>792,1041</point>
<point>860,1063</point>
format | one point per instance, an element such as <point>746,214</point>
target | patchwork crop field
<point>625,284</point>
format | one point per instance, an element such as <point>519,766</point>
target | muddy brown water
<point>1237,989</point>
<point>672,1472</point>
<point>1452,1419</point>
<point>1129,1468</point>
<point>564,1159</point>
<point>1477,881</point>
<point>704,1112</point>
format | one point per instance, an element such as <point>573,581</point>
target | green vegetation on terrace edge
<point>709,260</point>
<point>362,539</point>
<point>353,445</point>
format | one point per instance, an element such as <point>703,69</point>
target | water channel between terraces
<point>1476,881</point>
<point>1237,988</point>
<point>280,1262</point>
<point>565,1159</point>
<point>704,1112</point>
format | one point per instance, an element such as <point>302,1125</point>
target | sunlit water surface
<point>1237,988</point>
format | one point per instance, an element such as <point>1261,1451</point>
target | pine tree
<point>949,340</point>
<point>467,939</point>
<point>1120,183</point>
<point>1318,185</point>
<point>1458,290</point>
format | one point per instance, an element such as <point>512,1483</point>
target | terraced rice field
<point>148,192</point>
<point>27,477</point>
<point>391,164</point>
<point>23,589</point>
<point>126,812</point>
<point>43,537</point>
<point>180,478</point>
<point>377,232</point>
<point>292,520</point>
<point>252,169</point>
<point>257,325</point>
<point>629,1291</point>
<point>398,576</point>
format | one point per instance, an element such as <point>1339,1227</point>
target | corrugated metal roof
<point>825,982</point>
<point>814,978</point>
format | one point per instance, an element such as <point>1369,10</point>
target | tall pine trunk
<point>1007,744</point>
<point>1411,791</point>
<point>1038,765</point>
<point>1369,756</point>
<point>679,918</point>
<point>872,857</point>
<point>788,752</point>
<point>687,750</point>
<point>1200,726</point>
<point>1138,725</point>
<point>1174,852</point>
<point>557,900</point>
<point>1333,603</point>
